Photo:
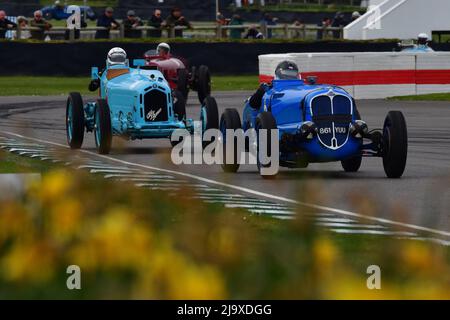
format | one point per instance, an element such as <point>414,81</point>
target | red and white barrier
<point>369,75</point>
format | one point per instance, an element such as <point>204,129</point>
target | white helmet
<point>164,46</point>
<point>117,56</point>
<point>422,38</point>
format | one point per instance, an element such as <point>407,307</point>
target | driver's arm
<point>256,99</point>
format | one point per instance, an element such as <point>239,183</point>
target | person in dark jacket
<point>253,33</point>
<point>156,22</point>
<point>5,24</point>
<point>268,20</point>
<point>322,32</point>
<point>131,23</point>
<point>106,20</point>
<point>176,19</point>
<point>236,33</point>
<point>338,22</point>
<point>41,23</point>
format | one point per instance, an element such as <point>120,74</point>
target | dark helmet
<point>286,70</point>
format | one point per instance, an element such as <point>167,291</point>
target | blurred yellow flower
<point>325,253</point>
<point>35,262</point>
<point>55,184</point>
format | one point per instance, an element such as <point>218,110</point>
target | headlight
<point>359,129</point>
<point>308,129</point>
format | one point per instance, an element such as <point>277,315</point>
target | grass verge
<point>424,97</point>
<point>27,85</point>
<point>11,163</point>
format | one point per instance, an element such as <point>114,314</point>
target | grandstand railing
<point>279,31</point>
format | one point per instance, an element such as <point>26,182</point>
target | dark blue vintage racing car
<point>317,123</point>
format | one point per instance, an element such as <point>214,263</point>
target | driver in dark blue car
<point>285,70</point>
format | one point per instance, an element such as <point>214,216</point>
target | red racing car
<point>177,73</point>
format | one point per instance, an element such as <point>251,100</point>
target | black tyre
<point>203,83</point>
<point>209,116</point>
<point>75,120</point>
<point>183,82</point>
<point>230,120</point>
<point>179,105</point>
<point>265,120</point>
<point>352,164</point>
<point>102,127</point>
<point>395,144</point>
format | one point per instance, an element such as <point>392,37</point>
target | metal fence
<point>206,31</point>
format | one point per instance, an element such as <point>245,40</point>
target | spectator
<point>253,33</point>
<point>322,32</point>
<point>267,20</point>
<point>222,21</point>
<point>130,25</point>
<point>156,22</point>
<point>23,23</point>
<point>236,20</point>
<point>5,24</point>
<point>41,23</point>
<point>355,15</point>
<point>106,20</point>
<point>338,22</point>
<point>298,33</point>
<point>176,19</point>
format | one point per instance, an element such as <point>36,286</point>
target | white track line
<point>243,189</point>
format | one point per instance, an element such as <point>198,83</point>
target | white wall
<point>403,19</point>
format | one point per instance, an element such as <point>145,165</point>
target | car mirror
<point>311,79</point>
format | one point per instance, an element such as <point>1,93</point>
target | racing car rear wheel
<point>395,144</point>
<point>182,82</point>
<point>230,120</point>
<point>352,164</point>
<point>265,120</point>
<point>209,116</point>
<point>102,127</point>
<point>75,120</point>
<point>203,83</point>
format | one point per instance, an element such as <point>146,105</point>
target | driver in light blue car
<point>421,46</point>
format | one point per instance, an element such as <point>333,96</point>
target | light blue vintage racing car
<point>317,123</point>
<point>135,103</point>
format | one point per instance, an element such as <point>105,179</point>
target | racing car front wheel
<point>265,120</point>
<point>179,108</point>
<point>75,120</point>
<point>230,120</point>
<point>203,83</point>
<point>102,127</point>
<point>395,144</point>
<point>209,116</point>
<point>352,164</point>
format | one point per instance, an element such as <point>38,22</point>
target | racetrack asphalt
<point>420,197</point>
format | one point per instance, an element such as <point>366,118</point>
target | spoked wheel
<point>209,116</point>
<point>75,120</point>
<point>230,120</point>
<point>203,83</point>
<point>395,144</point>
<point>352,164</point>
<point>265,120</point>
<point>183,82</point>
<point>102,127</point>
